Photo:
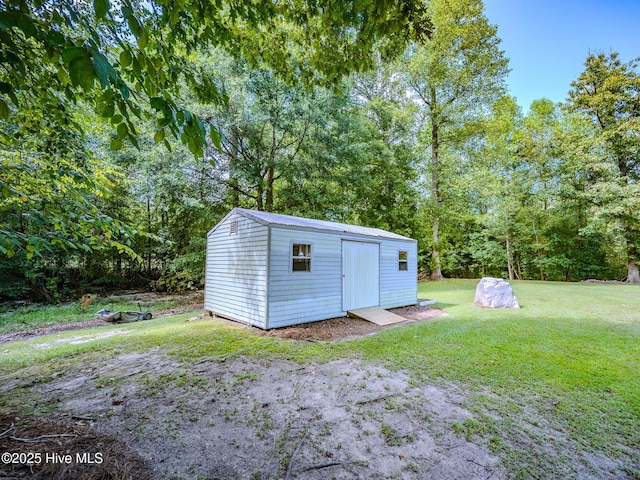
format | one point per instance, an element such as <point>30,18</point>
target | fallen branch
<point>384,397</point>
<point>42,437</point>
<point>6,431</point>
<point>80,417</point>
<point>296,369</point>
<point>372,400</point>
<point>293,457</point>
<point>479,464</point>
<point>322,465</point>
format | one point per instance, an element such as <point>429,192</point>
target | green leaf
<point>63,76</point>
<point>116,119</point>
<point>157,103</point>
<point>72,53</point>
<point>159,136</point>
<point>193,147</point>
<point>124,90</point>
<point>134,25</point>
<point>134,141</point>
<point>82,72</point>
<point>203,131</point>
<point>126,11</point>
<point>125,58</point>
<point>135,64</point>
<point>105,72</point>
<point>122,130</point>
<point>56,38</point>
<point>116,144</point>
<point>215,137</point>
<point>107,111</point>
<point>143,38</point>
<point>101,7</point>
<point>4,109</point>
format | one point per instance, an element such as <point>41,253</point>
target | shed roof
<point>268,218</point>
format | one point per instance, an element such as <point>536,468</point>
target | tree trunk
<point>533,222</point>
<point>633,253</point>
<point>509,261</point>
<point>234,196</point>
<point>149,237</point>
<point>519,265</point>
<point>633,275</point>
<point>436,273</point>
<point>259,197</point>
<point>268,204</point>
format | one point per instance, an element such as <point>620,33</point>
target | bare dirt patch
<point>242,417</point>
<point>269,419</point>
<point>344,327</point>
<point>37,332</point>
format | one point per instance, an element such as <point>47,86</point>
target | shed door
<point>360,275</point>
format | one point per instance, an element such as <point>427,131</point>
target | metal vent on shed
<point>233,229</point>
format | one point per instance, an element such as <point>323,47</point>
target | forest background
<point>127,131</point>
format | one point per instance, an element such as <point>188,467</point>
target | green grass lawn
<point>568,361</point>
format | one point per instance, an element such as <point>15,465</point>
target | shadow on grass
<point>444,306</point>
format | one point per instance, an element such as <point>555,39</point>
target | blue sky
<point>548,41</point>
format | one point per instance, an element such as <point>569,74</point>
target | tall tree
<point>502,183</point>
<point>387,192</point>
<point>455,75</point>
<point>267,127</point>
<point>52,185</point>
<point>608,94</point>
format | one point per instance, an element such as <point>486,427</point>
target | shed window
<point>301,255</point>
<point>403,261</point>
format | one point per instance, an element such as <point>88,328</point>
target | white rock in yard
<point>495,293</point>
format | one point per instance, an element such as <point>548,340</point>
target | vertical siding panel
<point>236,271</point>
<point>301,297</point>
<point>397,287</point>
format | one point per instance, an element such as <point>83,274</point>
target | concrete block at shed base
<point>495,293</point>
<point>423,302</point>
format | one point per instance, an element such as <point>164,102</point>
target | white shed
<point>271,270</point>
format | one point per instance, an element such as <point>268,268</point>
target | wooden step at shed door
<point>376,315</point>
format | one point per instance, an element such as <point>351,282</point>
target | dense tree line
<point>426,143</point>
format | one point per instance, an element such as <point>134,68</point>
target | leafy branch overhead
<point>127,58</point>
